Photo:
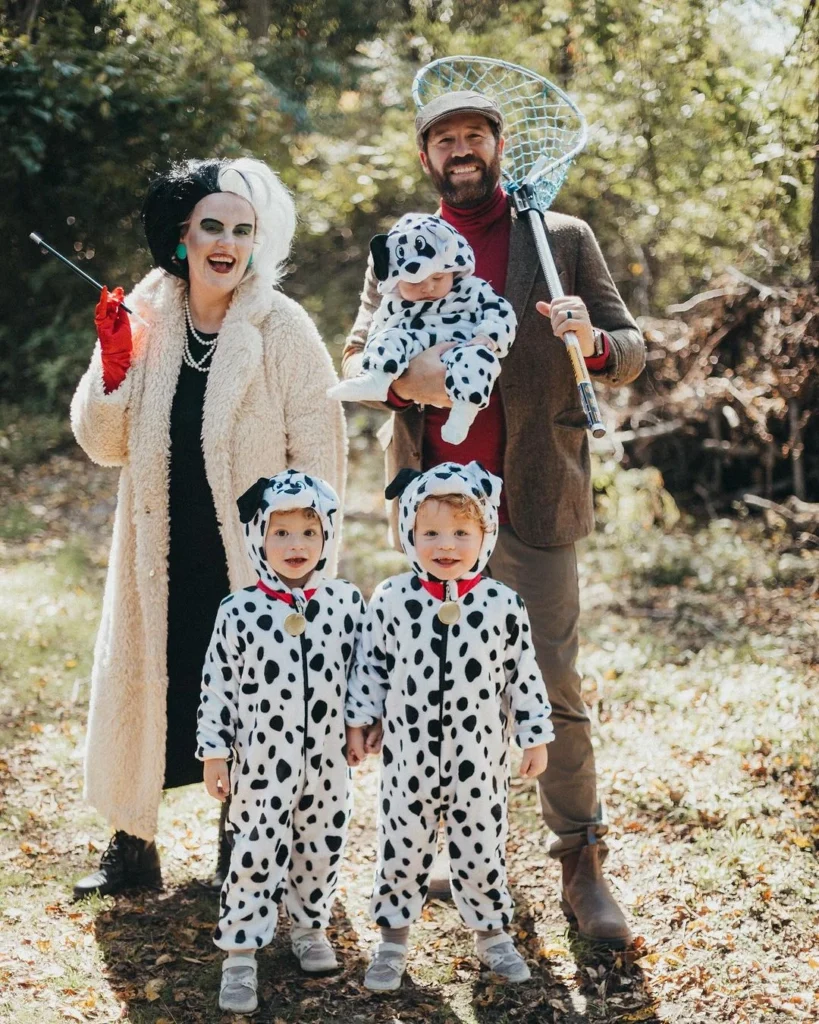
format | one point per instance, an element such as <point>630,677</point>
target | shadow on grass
<point>611,984</point>
<point>161,963</point>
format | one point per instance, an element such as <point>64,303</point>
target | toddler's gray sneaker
<point>238,991</point>
<point>499,955</point>
<point>314,952</point>
<point>386,968</point>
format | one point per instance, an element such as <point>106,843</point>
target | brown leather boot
<point>587,900</point>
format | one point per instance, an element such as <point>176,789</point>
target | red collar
<point>439,589</point>
<point>282,595</point>
<point>477,218</point>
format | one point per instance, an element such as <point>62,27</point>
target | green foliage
<point>702,118</point>
<point>96,100</point>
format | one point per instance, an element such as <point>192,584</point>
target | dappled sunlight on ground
<point>700,659</point>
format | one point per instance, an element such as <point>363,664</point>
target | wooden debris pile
<point>729,403</point>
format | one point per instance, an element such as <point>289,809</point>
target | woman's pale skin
<point>292,546</point>
<point>447,544</point>
<point>219,237</point>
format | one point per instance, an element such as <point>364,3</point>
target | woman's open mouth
<point>221,264</point>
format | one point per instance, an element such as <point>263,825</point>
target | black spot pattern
<point>446,740</point>
<point>276,705</point>
<point>420,245</point>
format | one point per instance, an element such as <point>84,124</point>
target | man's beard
<point>465,195</point>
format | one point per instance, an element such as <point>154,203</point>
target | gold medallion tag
<point>449,613</point>
<point>295,624</point>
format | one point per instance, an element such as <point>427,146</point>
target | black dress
<point>197,572</point>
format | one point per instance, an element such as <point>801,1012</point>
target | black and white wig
<point>171,197</point>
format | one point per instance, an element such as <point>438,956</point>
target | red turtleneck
<point>486,228</point>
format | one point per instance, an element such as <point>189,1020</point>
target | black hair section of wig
<point>169,201</point>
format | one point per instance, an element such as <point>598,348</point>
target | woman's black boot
<point>127,863</point>
<point>217,879</point>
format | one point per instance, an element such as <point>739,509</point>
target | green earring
<point>250,261</point>
<point>181,251</point>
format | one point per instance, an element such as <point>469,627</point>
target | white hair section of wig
<point>275,213</point>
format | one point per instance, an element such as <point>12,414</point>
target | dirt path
<point>701,650</point>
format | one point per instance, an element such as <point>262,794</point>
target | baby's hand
<point>481,339</point>
<point>217,778</point>
<point>375,734</point>
<point>355,745</point>
<point>534,761</point>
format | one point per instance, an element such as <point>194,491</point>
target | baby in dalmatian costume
<point>273,689</point>
<point>426,270</point>
<point>446,666</point>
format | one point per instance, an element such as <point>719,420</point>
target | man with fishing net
<point>533,432</point>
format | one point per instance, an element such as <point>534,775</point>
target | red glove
<point>114,332</point>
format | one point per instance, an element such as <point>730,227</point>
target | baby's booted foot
<point>498,953</point>
<point>313,949</point>
<point>238,992</point>
<point>460,419</point>
<point>371,386</point>
<point>386,968</point>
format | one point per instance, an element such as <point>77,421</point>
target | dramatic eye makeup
<point>211,225</point>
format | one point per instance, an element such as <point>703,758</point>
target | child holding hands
<point>444,671</point>
<point>272,700</point>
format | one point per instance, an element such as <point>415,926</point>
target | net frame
<point>543,127</point>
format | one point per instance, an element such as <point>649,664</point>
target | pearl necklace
<point>202,365</point>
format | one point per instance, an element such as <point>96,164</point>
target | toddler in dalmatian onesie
<point>426,271</point>
<point>444,671</point>
<point>273,689</point>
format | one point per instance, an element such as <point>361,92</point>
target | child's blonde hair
<point>310,513</point>
<point>463,506</point>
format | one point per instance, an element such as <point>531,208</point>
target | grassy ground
<point>700,653</point>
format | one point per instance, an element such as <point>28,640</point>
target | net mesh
<point>540,120</point>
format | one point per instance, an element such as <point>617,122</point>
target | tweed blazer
<point>265,410</point>
<point>546,469</point>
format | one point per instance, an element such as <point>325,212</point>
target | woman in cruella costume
<point>218,380</point>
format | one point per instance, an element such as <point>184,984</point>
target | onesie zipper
<point>302,643</point>
<point>441,680</point>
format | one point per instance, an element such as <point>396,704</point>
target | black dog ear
<point>249,502</point>
<point>403,479</point>
<point>381,256</point>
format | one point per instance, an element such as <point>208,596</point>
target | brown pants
<point>546,579</point>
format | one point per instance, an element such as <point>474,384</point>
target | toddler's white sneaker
<point>313,950</point>
<point>238,991</point>
<point>498,953</point>
<point>386,968</point>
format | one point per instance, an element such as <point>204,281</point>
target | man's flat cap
<point>449,103</point>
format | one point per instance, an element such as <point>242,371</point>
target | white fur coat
<point>265,410</point>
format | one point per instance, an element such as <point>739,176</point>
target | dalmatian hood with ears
<point>282,493</point>
<point>471,480</point>
<point>420,244</point>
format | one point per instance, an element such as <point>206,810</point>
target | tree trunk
<point>814,220</point>
<point>258,18</point>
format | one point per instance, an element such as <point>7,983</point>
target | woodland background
<point>700,585</point>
